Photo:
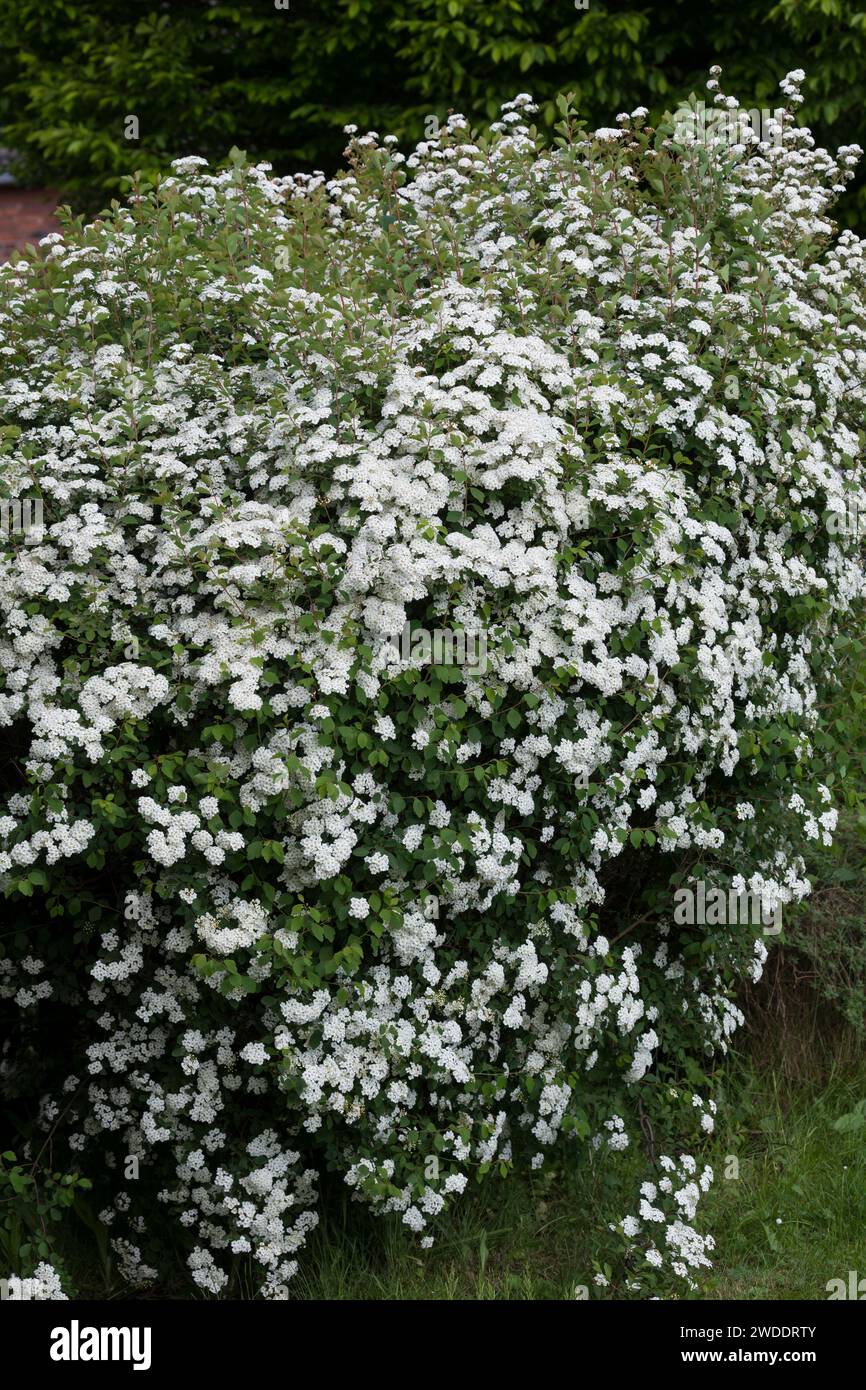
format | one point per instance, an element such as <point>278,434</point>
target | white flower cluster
<point>662,1230</point>
<point>332,904</point>
<point>44,1285</point>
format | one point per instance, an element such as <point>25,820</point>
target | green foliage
<point>218,387</point>
<point>792,1218</point>
<point>282,83</point>
<point>787,1218</point>
<point>33,1201</point>
<point>825,944</point>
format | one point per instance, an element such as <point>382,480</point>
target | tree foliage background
<point>202,76</point>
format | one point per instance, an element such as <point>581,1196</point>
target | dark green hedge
<point>281,83</point>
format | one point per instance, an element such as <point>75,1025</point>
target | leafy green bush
<point>281,83</point>
<point>824,957</point>
<point>303,888</point>
<point>33,1200</point>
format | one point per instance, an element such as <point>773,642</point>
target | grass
<point>787,1209</point>
<point>788,1215</point>
<point>793,1218</point>
<point>796,1215</point>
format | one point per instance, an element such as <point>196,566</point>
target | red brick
<point>26,214</point>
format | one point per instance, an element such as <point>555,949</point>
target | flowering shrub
<point>296,897</point>
<point>44,1287</point>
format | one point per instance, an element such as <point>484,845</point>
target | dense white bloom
<point>432,556</point>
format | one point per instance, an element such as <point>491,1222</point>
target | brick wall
<point>25,215</point>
